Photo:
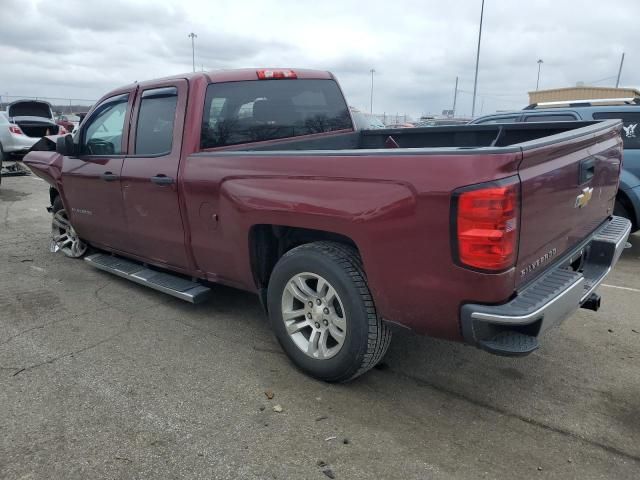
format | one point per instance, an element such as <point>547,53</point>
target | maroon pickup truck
<point>487,234</point>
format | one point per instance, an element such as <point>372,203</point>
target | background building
<point>581,92</point>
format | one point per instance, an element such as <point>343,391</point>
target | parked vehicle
<point>12,139</point>
<point>34,117</point>
<point>69,122</point>
<point>628,198</point>
<point>366,121</point>
<point>257,179</point>
<point>440,122</point>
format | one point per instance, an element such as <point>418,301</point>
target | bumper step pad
<point>513,328</point>
<point>509,343</point>
<point>170,284</point>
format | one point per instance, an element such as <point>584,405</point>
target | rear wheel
<point>63,236</point>
<point>322,312</point>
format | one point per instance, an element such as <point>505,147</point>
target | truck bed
<point>390,192</point>
<point>447,137</point>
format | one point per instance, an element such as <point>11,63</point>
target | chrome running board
<point>168,283</point>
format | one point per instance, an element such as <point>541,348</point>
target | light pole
<point>371,103</point>
<point>475,81</point>
<point>620,70</point>
<point>540,62</point>
<point>193,36</point>
<point>455,98</point>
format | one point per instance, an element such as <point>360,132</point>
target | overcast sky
<point>83,48</point>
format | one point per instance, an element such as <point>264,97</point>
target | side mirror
<point>65,145</point>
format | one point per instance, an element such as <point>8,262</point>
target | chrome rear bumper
<point>513,327</point>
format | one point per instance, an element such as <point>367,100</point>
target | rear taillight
<point>486,225</point>
<point>270,74</point>
<point>15,129</point>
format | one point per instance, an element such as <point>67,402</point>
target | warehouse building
<point>582,92</point>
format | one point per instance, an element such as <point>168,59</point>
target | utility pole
<point>455,99</point>
<point>475,81</point>
<point>371,103</point>
<point>620,70</point>
<point>540,62</point>
<point>193,36</point>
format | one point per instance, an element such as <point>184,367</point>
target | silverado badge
<point>583,199</point>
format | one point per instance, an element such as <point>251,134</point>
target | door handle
<point>109,177</point>
<point>587,170</point>
<point>161,179</point>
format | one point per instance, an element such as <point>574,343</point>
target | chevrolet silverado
<point>257,179</point>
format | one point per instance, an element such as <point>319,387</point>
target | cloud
<point>83,48</point>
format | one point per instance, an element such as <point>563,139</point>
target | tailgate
<point>569,184</point>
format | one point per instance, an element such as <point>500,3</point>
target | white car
<point>12,138</point>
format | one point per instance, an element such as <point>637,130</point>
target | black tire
<point>57,205</point>
<point>3,157</point>
<point>367,337</point>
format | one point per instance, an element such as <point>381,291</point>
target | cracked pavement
<point>102,378</point>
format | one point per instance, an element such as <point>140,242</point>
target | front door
<point>150,174</point>
<point>92,191</point>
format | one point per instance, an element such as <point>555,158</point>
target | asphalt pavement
<point>102,378</point>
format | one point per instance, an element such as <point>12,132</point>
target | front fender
<point>46,165</point>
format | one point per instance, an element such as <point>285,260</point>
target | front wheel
<point>322,312</point>
<point>63,236</point>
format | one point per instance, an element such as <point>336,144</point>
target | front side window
<point>103,133</point>
<point>630,128</point>
<point>154,128</point>
<point>254,111</point>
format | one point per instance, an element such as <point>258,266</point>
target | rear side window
<point>630,129</point>
<point>154,128</point>
<point>253,111</point>
<point>497,120</point>
<point>565,117</point>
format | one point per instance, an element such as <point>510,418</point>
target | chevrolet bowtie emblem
<point>584,197</point>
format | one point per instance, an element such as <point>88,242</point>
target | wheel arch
<point>629,206</point>
<point>53,194</point>
<point>268,243</point>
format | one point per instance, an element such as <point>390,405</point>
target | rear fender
<point>372,214</point>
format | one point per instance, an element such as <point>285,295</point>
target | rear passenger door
<point>150,175</point>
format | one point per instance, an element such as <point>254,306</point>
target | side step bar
<point>174,285</point>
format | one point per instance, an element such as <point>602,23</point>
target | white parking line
<point>622,288</point>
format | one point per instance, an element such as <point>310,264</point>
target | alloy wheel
<point>314,316</point>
